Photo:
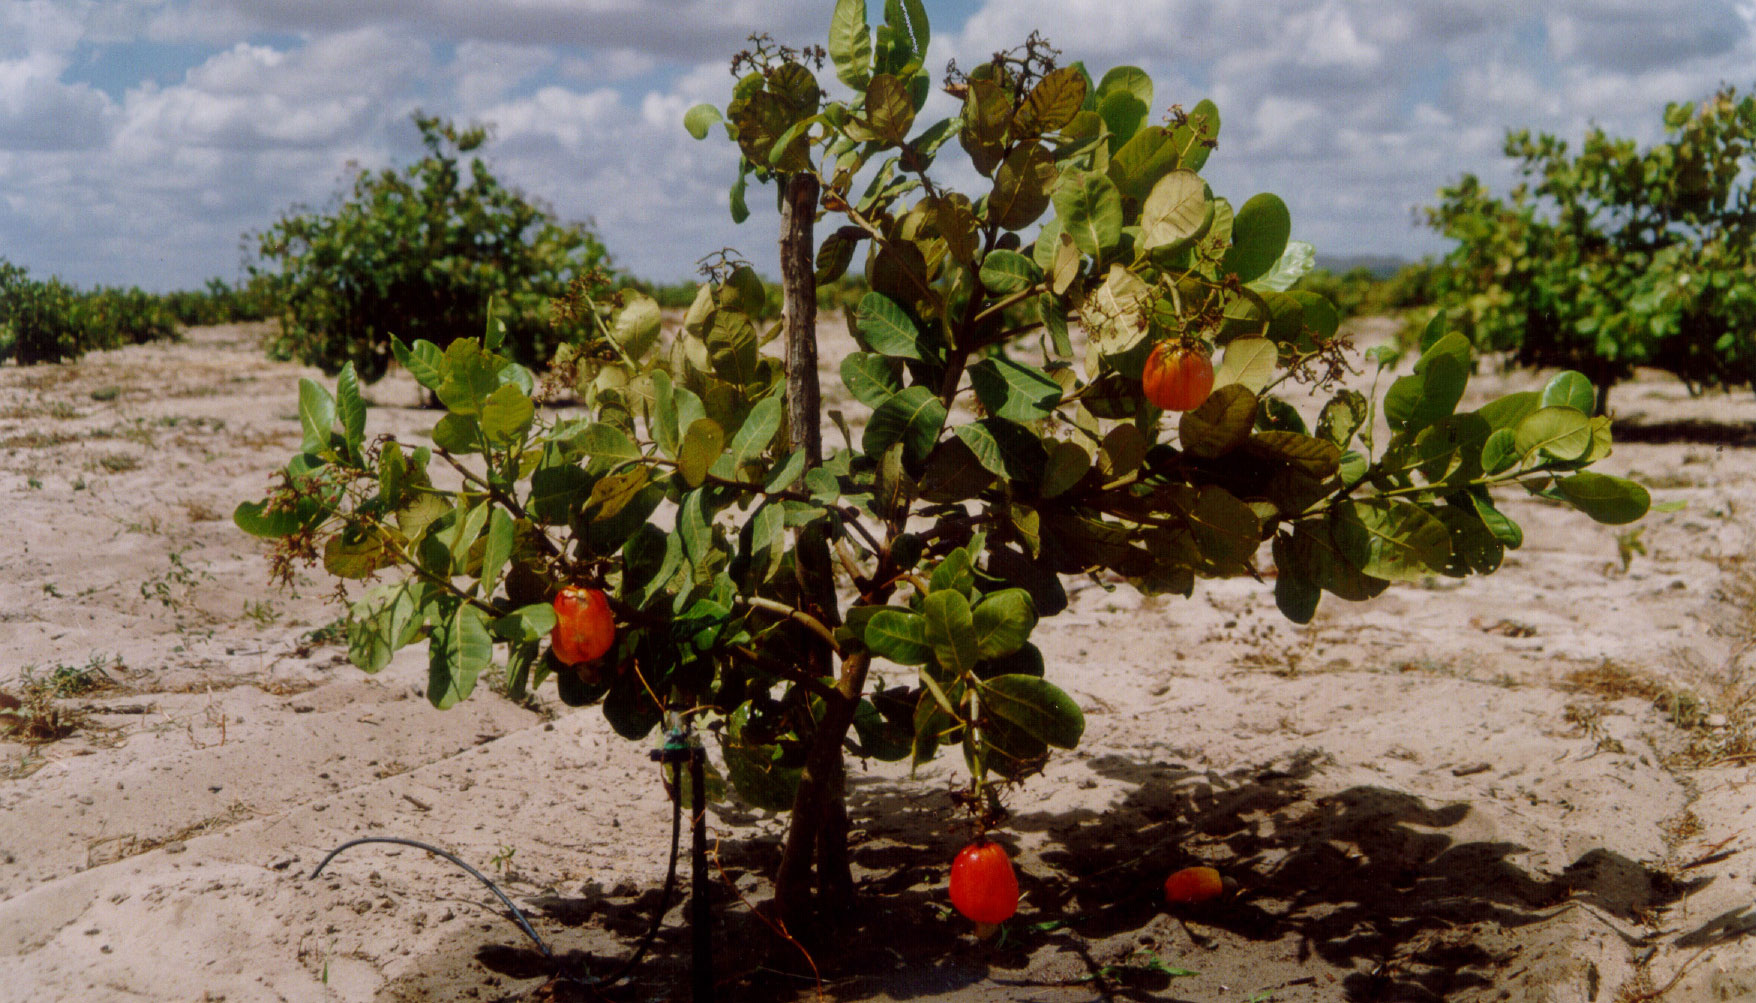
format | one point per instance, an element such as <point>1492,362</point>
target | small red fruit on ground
<point>1194,884</point>
<point>584,628</point>
<point>983,886</point>
<point>1177,377</point>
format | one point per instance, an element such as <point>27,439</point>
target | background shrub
<point>419,253</point>
<point>1616,256</point>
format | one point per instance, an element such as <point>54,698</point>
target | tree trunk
<point>817,835</point>
<point>818,830</point>
<point>799,290</point>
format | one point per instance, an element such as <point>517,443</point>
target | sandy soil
<point>1533,786</point>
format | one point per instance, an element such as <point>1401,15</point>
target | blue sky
<point>141,139</point>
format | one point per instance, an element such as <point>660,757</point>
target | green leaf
<point>755,770</point>
<point>458,651</point>
<point>1344,415</point>
<point>1391,539</point>
<point>887,328</point>
<point>956,572</point>
<point>1317,458</point>
<point>757,431</point>
<point>637,325</point>
<point>255,518</point>
<point>350,407</point>
<point>890,111</point>
<point>1052,103</point>
<point>1036,706</point>
<point>531,622</point>
<point>1606,499</point>
<point>701,448</point>
<point>1296,594</point>
<point>1021,187</point>
<point>556,492</point>
<point>1147,156</point>
<point>1259,236</point>
<point>1123,100</point>
<point>470,376</point>
<point>1314,556</point>
<point>1221,424</point>
<point>1003,621</point>
<point>1006,448</point>
<point>1557,432</point>
<point>1014,390</point>
<point>355,553</point>
<point>1504,529</point>
<point>316,416</point>
<point>383,622</point>
<point>458,433</point>
<point>950,632</point>
<point>422,361</point>
<point>630,708</point>
<point>1006,272</point>
<point>1090,210</point>
<point>899,635</point>
<point>1294,263</point>
<point>1177,213</point>
<point>1196,135</point>
<point>953,473</point>
<point>1500,451</point>
<point>1570,389</point>
<point>907,24</point>
<point>1418,400</point>
<point>498,549</point>
<point>850,43</point>
<point>506,414</point>
<point>912,416</point>
<point>1250,361</point>
<point>1068,463</point>
<point>869,378</point>
<point>1511,409</point>
<point>701,118</point>
<point>1114,313</point>
<point>613,493</point>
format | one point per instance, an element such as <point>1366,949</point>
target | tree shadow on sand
<point>1366,884</point>
<point>1698,431</point>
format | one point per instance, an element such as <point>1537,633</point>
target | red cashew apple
<point>1177,377</point>
<point>584,628</point>
<point>983,886</point>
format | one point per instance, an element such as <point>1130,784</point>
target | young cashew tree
<point>877,593</point>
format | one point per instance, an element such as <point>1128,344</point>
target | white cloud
<point>1354,110</point>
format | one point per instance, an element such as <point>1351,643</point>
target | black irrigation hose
<point>518,916</point>
<point>478,875</point>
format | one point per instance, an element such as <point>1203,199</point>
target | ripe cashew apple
<point>983,886</point>
<point>584,628</point>
<point>1193,884</point>
<point>1177,377</point>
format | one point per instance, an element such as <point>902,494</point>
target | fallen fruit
<point>983,886</point>
<point>584,628</point>
<point>1178,376</point>
<point>1194,884</point>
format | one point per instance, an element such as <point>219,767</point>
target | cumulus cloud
<point>1354,110</point>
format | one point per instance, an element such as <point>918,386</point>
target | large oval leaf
<point>1391,539</point>
<point>1177,213</point>
<point>1259,236</point>
<point>1558,432</point>
<point>1219,425</point>
<point>1090,210</point>
<point>1003,622</point>
<point>912,417</point>
<point>1036,706</point>
<point>1606,499</point>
